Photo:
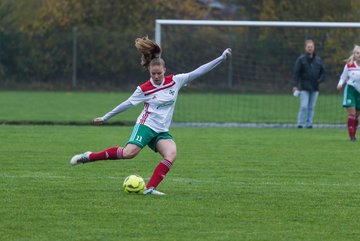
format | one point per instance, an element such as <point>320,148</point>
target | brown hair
<point>149,51</point>
<point>309,41</point>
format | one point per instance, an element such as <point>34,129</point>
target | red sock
<point>351,126</point>
<point>356,125</point>
<point>159,173</point>
<point>112,153</point>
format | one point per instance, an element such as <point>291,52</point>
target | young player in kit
<point>350,78</point>
<point>159,96</point>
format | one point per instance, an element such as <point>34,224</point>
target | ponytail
<point>149,50</point>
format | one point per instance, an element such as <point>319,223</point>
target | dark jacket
<point>308,72</point>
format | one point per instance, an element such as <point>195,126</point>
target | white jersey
<point>159,101</point>
<point>351,76</point>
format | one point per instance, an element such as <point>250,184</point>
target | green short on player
<point>142,135</point>
<point>351,97</point>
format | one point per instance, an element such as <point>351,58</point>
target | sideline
<point>63,123</point>
<point>174,124</point>
<point>250,125</point>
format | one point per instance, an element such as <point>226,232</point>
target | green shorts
<point>351,97</point>
<point>142,135</point>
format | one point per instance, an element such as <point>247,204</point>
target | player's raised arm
<point>205,68</point>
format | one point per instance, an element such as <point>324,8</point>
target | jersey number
<point>138,138</point>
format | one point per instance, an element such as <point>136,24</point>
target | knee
<point>129,153</point>
<point>171,156</point>
<point>303,107</point>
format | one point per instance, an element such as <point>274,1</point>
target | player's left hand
<point>98,121</point>
<point>227,53</point>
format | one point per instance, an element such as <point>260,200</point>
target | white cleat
<point>80,158</point>
<point>152,191</point>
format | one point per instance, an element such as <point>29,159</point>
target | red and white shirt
<point>159,101</point>
<point>351,76</point>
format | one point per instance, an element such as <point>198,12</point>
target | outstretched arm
<point>203,69</point>
<point>118,109</point>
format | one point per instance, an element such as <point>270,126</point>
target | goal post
<point>255,85</point>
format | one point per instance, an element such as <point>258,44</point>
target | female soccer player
<point>350,77</point>
<point>159,96</point>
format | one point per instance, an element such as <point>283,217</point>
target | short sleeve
<point>344,75</point>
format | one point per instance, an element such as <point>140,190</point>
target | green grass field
<point>227,184</point>
<point>208,107</point>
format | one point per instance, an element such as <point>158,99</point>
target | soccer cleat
<point>80,158</point>
<point>353,139</point>
<point>153,192</point>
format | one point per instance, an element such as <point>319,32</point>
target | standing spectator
<point>350,77</point>
<point>309,72</point>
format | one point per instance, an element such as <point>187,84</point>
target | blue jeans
<point>307,106</point>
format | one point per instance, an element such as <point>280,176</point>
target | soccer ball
<point>134,184</point>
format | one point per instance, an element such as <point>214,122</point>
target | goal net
<point>254,86</point>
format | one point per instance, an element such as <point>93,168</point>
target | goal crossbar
<point>160,22</point>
